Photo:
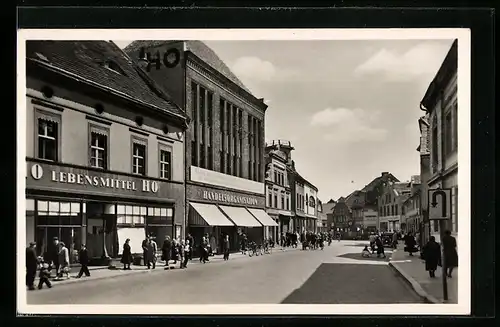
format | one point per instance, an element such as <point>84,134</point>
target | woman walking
<point>63,260</point>
<point>380,247</point>
<point>432,256</point>
<point>410,244</point>
<point>225,247</point>
<point>166,251</point>
<point>450,253</point>
<point>126,255</point>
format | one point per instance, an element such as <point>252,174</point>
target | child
<point>365,253</point>
<point>44,274</point>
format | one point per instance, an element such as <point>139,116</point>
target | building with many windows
<point>278,189</point>
<point>412,218</point>
<point>342,215</point>
<point>224,143</point>
<point>425,173</point>
<point>304,203</point>
<point>390,205</point>
<point>440,103</point>
<point>328,209</point>
<point>104,150</point>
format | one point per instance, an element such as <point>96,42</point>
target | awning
<point>241,217</point>
<point>211,214</point>
<point>263,217</point>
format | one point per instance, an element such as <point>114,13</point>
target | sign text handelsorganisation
<point>223,197</point>
<point>104,182</point>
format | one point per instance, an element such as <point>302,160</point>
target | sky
<point>350,108</point>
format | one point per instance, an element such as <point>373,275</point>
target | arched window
<point>312,202</point>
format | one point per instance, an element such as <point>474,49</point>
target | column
<point>205,130</point>
<point>197,127</point>
<point>230,143</point>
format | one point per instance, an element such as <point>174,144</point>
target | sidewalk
<point>102,272</point>
<point>412,269</point>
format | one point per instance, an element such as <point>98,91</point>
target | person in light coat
<point>63,260</point>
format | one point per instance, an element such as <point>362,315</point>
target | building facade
<point>412,218</point>
<point>425,174</point>
<point>278,189</point>
<point>328,209</point>
<point>104,150</point>
<point>390,206</point>
<point>322,218</point>
<point>224,143</point>
<point>342,216</point>
<point>440,102</point>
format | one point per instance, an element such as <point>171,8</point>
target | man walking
<point>31,266</point>
<point>83,255</point>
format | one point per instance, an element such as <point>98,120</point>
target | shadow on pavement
<point>349,284</point>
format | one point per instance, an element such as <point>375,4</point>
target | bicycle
<point>252,249</point>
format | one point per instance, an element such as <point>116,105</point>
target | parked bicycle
<point>253,249</point>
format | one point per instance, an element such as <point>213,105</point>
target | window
<point>202,157</point>
<point>282,201</point>
<point>436,226</point>
<point>269,198</point>
<point>222,161</point>
<point>130,215</point>
<point>194,156</point>
<point>98,147</point>
<point>396,209</point>
<point>448,125</point>
<point>165,164</point>
<point>47,139</point>
<point>210,158</point>
<point>139,157</point>
<point>287,202</point>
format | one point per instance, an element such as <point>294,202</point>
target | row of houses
<point>386,204</point>
<point>161,139</point>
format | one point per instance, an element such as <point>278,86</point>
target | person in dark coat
<point>31,266</point>
<point>225,247</point>
<point>44,274</point>
<point>410,244</point>
<point>83,255</point>
<point>450,253</point>
<point>126,255</point>
<point>166,251</point>
<point>190,238</point>
<point>380,247</point>
<point>54,255</point>
<point>145,251</point>
<point>303,240</point>
<point>432,256</point>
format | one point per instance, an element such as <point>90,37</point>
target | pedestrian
<point>31,265</point>
<point>372,242</point>
<point>432,256</point>
<point>190,239</point>
<point>153,248</point>
<point>166,251</point>
<point>63,260</point>
<point>187,253</point>
<point>126,255</point>
<point>365,253</point>
<point>144,246</point>
<point>450,253</point>
<point>54,255</point>
<point>380,247</point>
<point>395,240</point>
<point>83,255</point>
<point>225,247</point>
<point>175,251</point>
<point>44,274</point>
<point>213,245</point>
<point>410,244</point>
<point>206,249</point>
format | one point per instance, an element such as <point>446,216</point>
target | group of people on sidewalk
<point>308,240</point>
<point>376,246</point>
<point>431,253</point>
<point>55,261</point>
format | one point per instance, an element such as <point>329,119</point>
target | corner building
<point>224,152</point>
<point>104,151</point>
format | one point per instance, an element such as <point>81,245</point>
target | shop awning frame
<point>240,216</point>
<point>211,214</point>
<point>263,217</point>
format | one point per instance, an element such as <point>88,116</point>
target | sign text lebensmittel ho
<point>105,182</point>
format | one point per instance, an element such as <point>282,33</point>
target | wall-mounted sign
<point>223,197</point>
<point>52,176</point>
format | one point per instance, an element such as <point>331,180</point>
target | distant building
<point>328,210</point>
<point>390,205</point>
<point>306,194</point>
<point>278,188</point>
<point>342,215</point>
<point>411,208</point>
<point>440,102</point>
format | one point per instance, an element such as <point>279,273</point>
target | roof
<point>377,181</point>
<point>302,179</point>
<point>199,49</point>
<point>85,60</point>
<point>448,66</point>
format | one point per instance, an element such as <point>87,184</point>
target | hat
<point>32,243</point>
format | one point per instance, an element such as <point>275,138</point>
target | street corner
<point>371,258</point>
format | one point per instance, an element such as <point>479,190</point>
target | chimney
<point>385,173</point>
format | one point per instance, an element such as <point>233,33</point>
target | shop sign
<point>97,181</point>
<point>230,198</point>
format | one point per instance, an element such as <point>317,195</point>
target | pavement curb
<point>135,272</point>
<point>426,298</point>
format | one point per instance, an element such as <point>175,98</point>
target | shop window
<point>130,215</point>
<point>48,136</point>
<point>165,164</point>
<point>139,148</point>
<point>98,147</point>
